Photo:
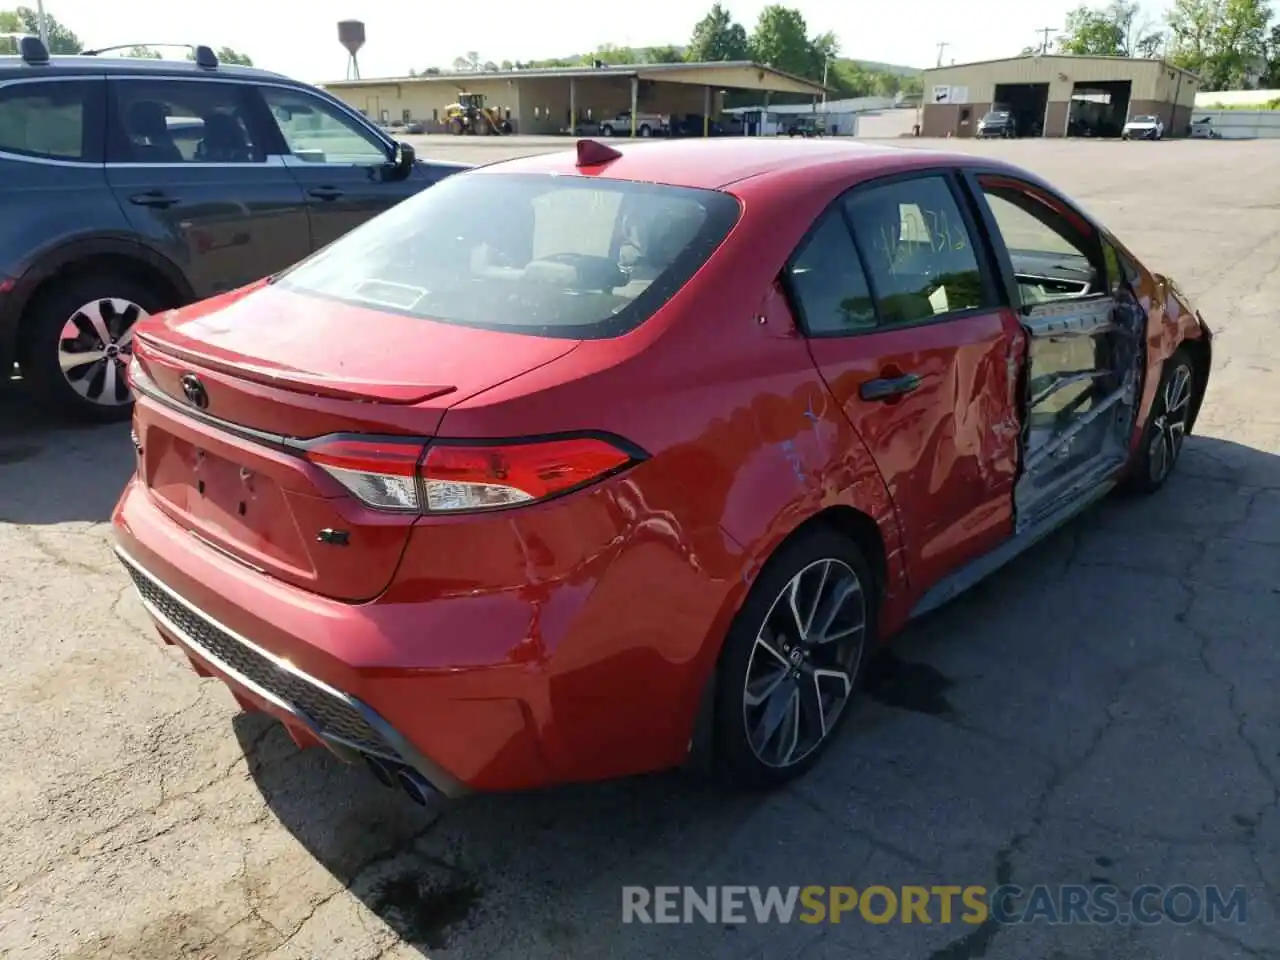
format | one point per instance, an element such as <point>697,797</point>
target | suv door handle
<point>153,198</point>
<point>324,193</point>
<point>886,388</point>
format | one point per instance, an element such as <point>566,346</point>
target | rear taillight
<point>381,473</point>
<point>451,477</point>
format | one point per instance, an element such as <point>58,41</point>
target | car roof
<point>13,67</point>
<point>713,164</point>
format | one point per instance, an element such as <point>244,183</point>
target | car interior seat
<point>224,141</point>
<point>899,270</point>
<point>149,134</point>
<point>654,240</point>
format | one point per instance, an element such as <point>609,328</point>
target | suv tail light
<point>459,476</point>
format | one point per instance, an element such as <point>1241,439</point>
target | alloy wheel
<point>94,349</point>
<point>1170,427</point>
<point>803,665</point>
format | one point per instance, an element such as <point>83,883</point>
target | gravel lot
<point>1105,711</point>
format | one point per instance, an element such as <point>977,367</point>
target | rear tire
<point>93,315</point>
<point>606,130</point>
<point>645,130</point>
<point>1167,427</point>
<point>792,659</point>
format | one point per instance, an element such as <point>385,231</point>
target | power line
<point>1044,44</point>
<point>942,46</point>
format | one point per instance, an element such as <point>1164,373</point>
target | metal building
<point>1057,96</point>
<point>542,101</point>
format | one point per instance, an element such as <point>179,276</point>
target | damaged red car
<point>601,462</point>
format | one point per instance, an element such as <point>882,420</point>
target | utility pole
<point>1044,44</point>
<point>44,24</point>
<point>942,46</point>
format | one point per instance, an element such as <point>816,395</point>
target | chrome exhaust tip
<point>379,770</point>
<point>416,786</point>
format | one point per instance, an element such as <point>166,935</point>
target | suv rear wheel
<point>77,339</point>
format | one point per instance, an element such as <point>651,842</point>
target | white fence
<point>1258,99</point>
<point>1243,124</point>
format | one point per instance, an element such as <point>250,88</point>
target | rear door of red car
<point>895,289</point>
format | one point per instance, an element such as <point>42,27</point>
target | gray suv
<point>131,186</point>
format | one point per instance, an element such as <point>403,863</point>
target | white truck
<point>647,125</point>
<point>1145,127</point>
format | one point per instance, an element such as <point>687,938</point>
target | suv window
<point>827,282</point>
<point>49,119</point>
<point>549,256</point>
<point>919,255</point>
<point>320,132</point>
<point>181,121</point>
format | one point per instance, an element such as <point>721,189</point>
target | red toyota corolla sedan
<point>588,464</point>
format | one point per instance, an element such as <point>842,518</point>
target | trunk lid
<point>275,368</point>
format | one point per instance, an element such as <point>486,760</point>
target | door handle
<point>153,198</point>
<point>325,193</point>
<point>886,388</point>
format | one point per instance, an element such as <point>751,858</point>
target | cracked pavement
<point>1103,711</point>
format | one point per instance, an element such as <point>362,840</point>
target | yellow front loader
<point>469,115</point>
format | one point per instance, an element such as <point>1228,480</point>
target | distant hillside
<point>847,77</point>
<point>876,67</point>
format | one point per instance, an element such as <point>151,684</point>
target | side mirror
<point>403,159</point>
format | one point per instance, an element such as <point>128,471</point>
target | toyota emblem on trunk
<point>194,391</point>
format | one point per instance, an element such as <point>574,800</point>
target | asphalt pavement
<point>1102,713</point>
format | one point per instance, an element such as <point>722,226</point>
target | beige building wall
<point>423,100</point>
<point>534,105</point>
<point>1156,88</point>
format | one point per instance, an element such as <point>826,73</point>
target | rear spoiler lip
<point>298,381</point>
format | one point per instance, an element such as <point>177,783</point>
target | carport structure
<point>554,100</point>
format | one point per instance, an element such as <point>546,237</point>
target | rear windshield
<point>1144,119</point>
<point>556,256</point>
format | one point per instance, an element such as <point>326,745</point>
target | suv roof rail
<point>30,48</point>
<point>203,55</point>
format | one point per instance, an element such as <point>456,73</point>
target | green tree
<point>781,39</point>
<point>1271,79</point>
<point>1110,31</point>
<point>143,53</point>
<point>717,37</point>
<point>1092,33</point>
<point>667,54</point>
<point>824,51</point>
<point>613,55</point>
<point>1224,41</point>
<point>26,20</point>
<point>227,55</point>
<point>1241,42</point>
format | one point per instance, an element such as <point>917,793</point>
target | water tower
<point>351,36</point>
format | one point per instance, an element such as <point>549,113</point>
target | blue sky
<point>301,39</point>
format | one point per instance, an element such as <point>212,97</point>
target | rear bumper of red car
<point>343,675</point>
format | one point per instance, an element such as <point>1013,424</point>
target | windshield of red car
<point>559,256</point>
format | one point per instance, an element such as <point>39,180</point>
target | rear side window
<point>548,255</point>
<point>182,121</point>
<point>48,120</point>
<point>827,281</point>
<point>919,254</point>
